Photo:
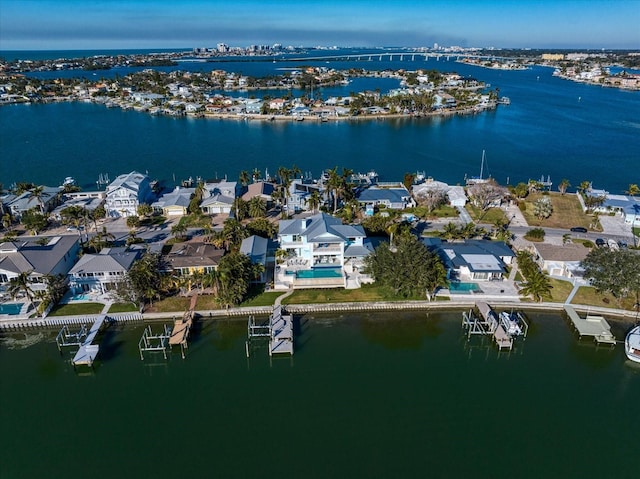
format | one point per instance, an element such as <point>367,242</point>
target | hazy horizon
<point>149,24</point>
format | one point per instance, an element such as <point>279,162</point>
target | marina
<point>591,326</point>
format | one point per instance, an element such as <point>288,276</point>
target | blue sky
<point>86,24</point>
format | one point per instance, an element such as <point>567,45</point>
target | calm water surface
<point>364,396</point>
<point>552,127</point>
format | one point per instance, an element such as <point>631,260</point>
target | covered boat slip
<point>278,330</point>
<point>594,326</point>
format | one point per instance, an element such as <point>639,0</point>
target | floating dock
<point>88,351</point>
<point>594,326</point>
<point>488,323</point>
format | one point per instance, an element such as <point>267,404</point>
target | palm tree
<point>256,175</point>
<point>563,185</point>
<point>633,190</point>
<point>257,207</point>
<point>450,231</point>
<point>244,178</point>
<point>179,230</point>
<point>36,193</point>
<point>537,286</point>
<point>313,201</point>
<point>584,186</point>
<point>20,283</point>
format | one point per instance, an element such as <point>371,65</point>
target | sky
<point>118,24</point>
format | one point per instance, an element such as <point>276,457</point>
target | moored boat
<point>632,345</point>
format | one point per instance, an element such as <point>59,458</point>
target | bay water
<point>369,395</point>
<point>553,127</point>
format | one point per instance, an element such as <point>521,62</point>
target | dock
<point>182,328</point>
<point>278,330</point>
<point>487,323</point>
<point>88,351</point>
<point>593,326</point>
<point>281,327</point>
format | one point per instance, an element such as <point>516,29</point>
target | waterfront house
<point>261,189</point>
<point>38,256</point>
<point>101,272</point>
<point>318,249</point>
<point>299,192</point>
<point>190,257</point>
<point>257,249</point>
<point>394,196</point>
<point>175,203</point>
<point>472,260</point>
<point>560,260</point>
<point>218,197</point>
<point>44,201</point>
<point>455,194</point>
<point>88,200</point>
<point>126,193</point>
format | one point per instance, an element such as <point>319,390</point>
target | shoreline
<point>241,313</point>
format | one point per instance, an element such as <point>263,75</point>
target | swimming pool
<point>319,273</point>
<point>464,288</point>
<point>80,297</point>
<point>12,308</point>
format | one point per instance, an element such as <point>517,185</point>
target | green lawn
<point>76,309</point>
<point>123,308</point>
<point>590,297</point>
<point>567,212</point>
<point>489,216</point>
<point>365,294</point>
<point>263,299</point>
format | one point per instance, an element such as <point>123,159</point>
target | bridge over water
<point>390,56</point>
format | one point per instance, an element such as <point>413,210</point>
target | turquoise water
<point>545,131</point>
<point>13,308</point>
<point>463,287</point>
<point>374,395</point>
<point>319,273</point>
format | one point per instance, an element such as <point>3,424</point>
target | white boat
<point>632,345</point>
<point>69,181</point>
<point>510,323</point>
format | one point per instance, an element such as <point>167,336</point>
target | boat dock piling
<point>594,326</point>
<point>154,342</point>
<point>487,323</point>
<point>278,330</point>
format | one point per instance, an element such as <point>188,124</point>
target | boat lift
<point>154,342</point>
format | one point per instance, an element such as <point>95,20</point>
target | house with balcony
<point>320,252</point>
<point>39,257</point>
<point>185,259</point>
<point>126,193</point>
<point>100,273</point>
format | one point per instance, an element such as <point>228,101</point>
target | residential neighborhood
<point>297,232</point>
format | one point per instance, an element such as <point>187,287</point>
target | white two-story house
<point>319,250</point>
<point>126,193</point>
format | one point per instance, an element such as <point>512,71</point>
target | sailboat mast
<point>482,165</point>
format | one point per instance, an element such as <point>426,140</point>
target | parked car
<point>578,229</point>
<point>600,242</point>
<point>623,244</point>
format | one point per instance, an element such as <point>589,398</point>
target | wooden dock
<point>594,326</point>
<point>88,351</point>
<point>487,323</point>
<point>182,328</point>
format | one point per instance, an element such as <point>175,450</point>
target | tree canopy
<point>410,269</point>
<point>615,272</point>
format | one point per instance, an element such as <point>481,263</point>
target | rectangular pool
<point>319,273</point>
<point>12,308</point>
<point>464,288</point>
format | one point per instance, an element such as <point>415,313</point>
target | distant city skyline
<point>118,24</point>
